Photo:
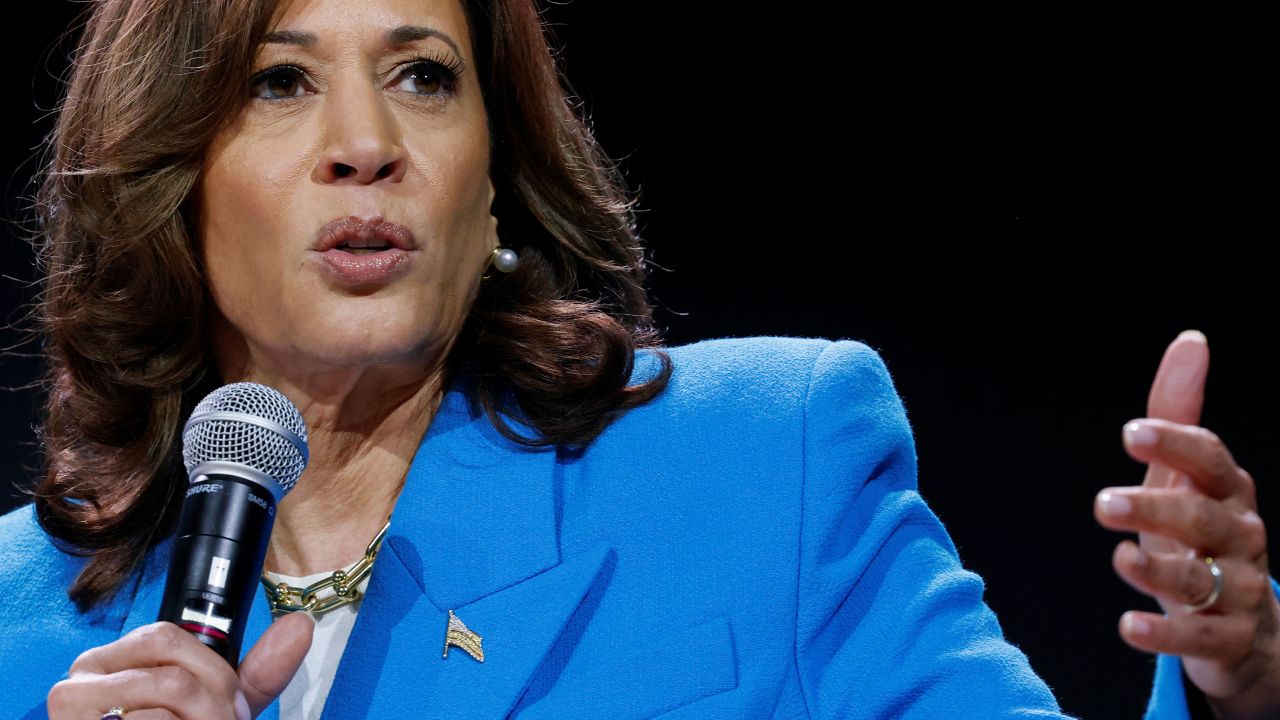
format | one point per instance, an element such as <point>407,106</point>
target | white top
<point>303,698</point>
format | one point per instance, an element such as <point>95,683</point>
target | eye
<point>280,82</point>
<point>430,77</point>
<point>435,78</point>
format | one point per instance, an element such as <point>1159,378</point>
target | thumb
<point>1177,394</point>
<point>271,663</point>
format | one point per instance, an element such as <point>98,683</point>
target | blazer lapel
<point>393,665</point>
<point>475,530</point>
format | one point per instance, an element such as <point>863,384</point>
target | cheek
<point>252,185</point>
<point>455,198</point>
<point>243,233</point>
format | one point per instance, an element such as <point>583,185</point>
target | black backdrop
<point>857,176</point>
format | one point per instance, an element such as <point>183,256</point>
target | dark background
<point>861,176</point>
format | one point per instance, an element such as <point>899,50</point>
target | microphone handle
<point>218,552</point>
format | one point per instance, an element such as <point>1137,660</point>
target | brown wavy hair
<point>125,311</point>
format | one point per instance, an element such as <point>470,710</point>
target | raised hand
<point>1196,503</point>
<point>161,671</point>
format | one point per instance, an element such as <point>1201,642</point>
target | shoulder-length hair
<point>126,312</point>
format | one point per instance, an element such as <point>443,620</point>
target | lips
<point>356,252</point>
<point>352,233</point>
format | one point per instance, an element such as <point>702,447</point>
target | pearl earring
<point>502,259</point>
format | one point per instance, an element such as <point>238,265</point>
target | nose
<point>361,139</point>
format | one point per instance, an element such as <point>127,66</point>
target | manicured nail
<point>1196,334</point>
<point>1136,625</point>
<point>1114,504</point>
<point>242,707</point>
<point>1140,435</point>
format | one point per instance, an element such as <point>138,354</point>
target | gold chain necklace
<point>286,598</point>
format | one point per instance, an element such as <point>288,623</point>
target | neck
<point>350,488</point>
<point>364,426</point>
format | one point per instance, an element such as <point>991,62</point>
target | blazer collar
<point>475,530</point>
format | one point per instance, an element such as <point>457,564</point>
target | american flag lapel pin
<point>458,634</point>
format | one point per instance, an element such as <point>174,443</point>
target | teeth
<point>364,240</point>
<point>364,244</point>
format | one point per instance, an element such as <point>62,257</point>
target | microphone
<point>244,448</point>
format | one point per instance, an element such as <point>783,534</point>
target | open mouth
<point>366,247</point>
<point>357,252</point>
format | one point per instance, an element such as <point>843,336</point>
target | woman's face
<point>356,133</point>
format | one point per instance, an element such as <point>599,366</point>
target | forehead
<point>328,25</point>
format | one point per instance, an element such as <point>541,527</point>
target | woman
<point>329,223</point>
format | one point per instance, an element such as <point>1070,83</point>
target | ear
<point>495,241</point>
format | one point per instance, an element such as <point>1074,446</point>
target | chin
<point>311,330</point>
<point>373,338</point>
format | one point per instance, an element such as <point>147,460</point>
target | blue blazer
<point>750,544</point>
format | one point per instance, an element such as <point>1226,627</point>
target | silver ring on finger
<point>115,713</point>
<point>1209,602</point>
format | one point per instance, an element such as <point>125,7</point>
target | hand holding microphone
<point>162,671</point>
<point>244,448</point>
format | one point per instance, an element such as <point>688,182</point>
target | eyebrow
<point>399,36</point>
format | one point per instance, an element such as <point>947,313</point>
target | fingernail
<point>1136,625</point>
<point>1113,504</point>
<point>242,707</point>
<point>1193,334</point>
<point>1140,435</point>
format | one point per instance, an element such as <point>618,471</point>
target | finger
<point>1170,577</point>
<point>1221,638</point>
<point>1188,581</point>
<point>1199,522</point>
<point>1177,394</point>
<point>166,687</point>
<point>271,663</point>
<point>1193,450</point>
<point>161,644</point>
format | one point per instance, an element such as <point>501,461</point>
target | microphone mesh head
<point>243,440</point>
